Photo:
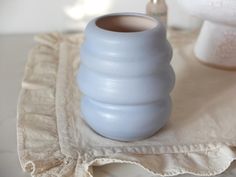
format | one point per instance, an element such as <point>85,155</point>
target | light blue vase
<point>125,76</point>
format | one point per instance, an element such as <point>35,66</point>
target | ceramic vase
<point>216,44</point>
<point>125,76</point>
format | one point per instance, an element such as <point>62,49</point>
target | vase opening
<point>126,23</point>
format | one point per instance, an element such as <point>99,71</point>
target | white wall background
<point>29,16</point>
<point>32,16</point>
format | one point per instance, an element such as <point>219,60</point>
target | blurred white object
<point>179,18</point>
<point>216,44</point>
<point>157,9</point>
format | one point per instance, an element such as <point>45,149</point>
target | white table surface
<point>13,54</point>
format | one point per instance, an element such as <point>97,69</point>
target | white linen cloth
<point>53,140</point>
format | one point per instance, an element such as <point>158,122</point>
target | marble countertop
<point>13,54</point>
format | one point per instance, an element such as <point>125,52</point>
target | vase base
<point>125,139</point>
<point>125,122</point>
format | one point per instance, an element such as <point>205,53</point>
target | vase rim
<point>126,23</point>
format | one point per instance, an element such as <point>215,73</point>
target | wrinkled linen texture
<point>53,139</point>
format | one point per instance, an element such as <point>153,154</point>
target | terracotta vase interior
<point>126,23</point>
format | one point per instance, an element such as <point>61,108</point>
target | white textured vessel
<point>216,44</point>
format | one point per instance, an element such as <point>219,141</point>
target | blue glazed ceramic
<point>125,76</point>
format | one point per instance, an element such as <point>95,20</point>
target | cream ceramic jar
<point>125,76</point>
<point>216,44</point>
